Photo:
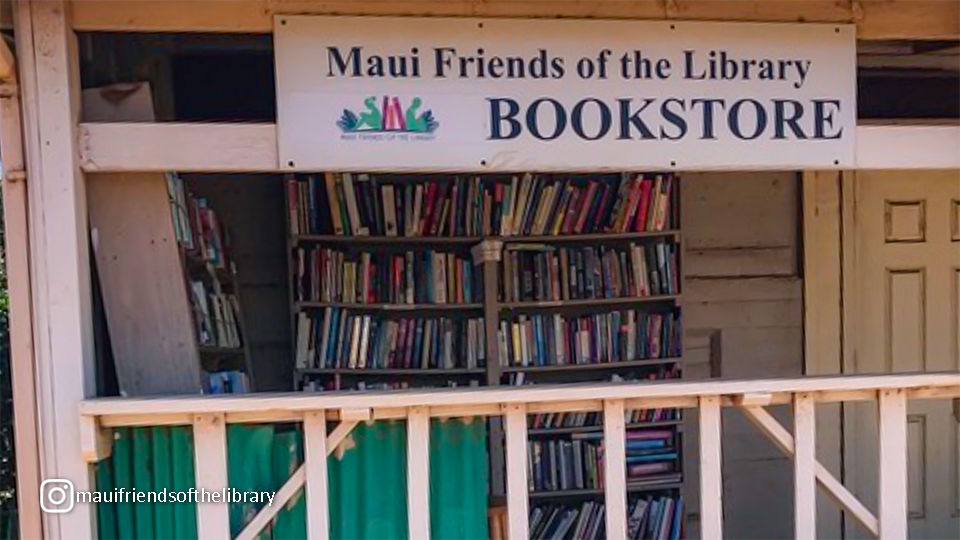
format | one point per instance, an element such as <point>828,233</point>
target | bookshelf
<point>449,280</point>
<point>211,282</point>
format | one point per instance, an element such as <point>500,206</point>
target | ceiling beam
<point>875,19</point>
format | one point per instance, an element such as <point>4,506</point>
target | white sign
<point>415,94</point>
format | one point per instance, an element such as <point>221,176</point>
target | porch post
<point>59,248</point>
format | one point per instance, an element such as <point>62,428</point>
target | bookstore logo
<point>386,119</point>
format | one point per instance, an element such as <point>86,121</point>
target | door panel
<point>904,315</point>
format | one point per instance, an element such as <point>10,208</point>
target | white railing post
<point>210,447</point>
<point>805,467</point>
<point>418,472</point>
<point>315,461</point>
<point>615,468</point>
<point>515,428</point>
<point>711,470</point>
<point>893,464</point>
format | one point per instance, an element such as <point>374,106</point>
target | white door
<point>904,318</point>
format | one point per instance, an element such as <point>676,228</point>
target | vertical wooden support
<point>59,249</point>
<point>315,460</point>
<point>17,248</point>
<point>615,467</point>
<point>487,255</point>
<point>418,473</point>
<point>711,470</point>
<point>805,467</point>
<point>515,424</point>
<point>210,447</point>
<point>893,464</point>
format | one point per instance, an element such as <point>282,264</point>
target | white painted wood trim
<point>908,147</point>
<point>515,429</point>
<point>59,256</point>
<point>266,514</point>
<point>317,483</point>
<point>893,465</point>
<point>297,481</point>
<point>874,20</point>
<point>418,473</point>
<point>125,147</point>
<point>711,469</point>
<point>615,468</point>
<point>533,396</point>
<point>17,259</point>
<point>769,426</point>
<point>117,147</point>
<point>210,450</point>
<point>804,467</point>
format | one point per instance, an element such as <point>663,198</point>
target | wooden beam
<point>196,147</point>
<point>96,442</point>
<point>893,465</point>
<point>297,480</point>
<point>615,468</point>
<point>483,397</point>
<point>317,485</point>
<point>210,462</point>
<point>915,19</point>
<point>515,428</point>
<point>784,441</point>
<point>59,250</point>
<point>17,261</point>
<point>126,147</point>
<point>418,473</point>
<point>805,467</point>
<point>711,469</point>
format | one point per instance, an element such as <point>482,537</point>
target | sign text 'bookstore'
<point>463,94</point>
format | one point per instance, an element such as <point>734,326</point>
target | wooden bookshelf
<point>612,303</point>
<point>217,317</point>
<point>635,487</point>
<point>600,366</point>
<point>388,307</point>
<point>534,432</point>
<point>631,222</point>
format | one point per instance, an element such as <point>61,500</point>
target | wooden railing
<point>209,416</point>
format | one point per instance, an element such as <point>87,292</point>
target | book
<point>324,274</point>
<point>362,341</point>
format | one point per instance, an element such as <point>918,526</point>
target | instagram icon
<point>56,496</point>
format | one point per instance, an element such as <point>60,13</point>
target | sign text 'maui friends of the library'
<point>461,94</point>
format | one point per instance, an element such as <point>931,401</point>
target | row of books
<point>343,339</point>
<point>575,463</point>
<point>226,382</point>
<point>595,419</point>
<point>616,336</point>
<point>320,385</point>
<point>557,204</point>
<point>361,205</point>
<point>545,273</point>
<point>217,316</point>
<point>648,518</point>
<point>411,277</point>
<point>195,224</point>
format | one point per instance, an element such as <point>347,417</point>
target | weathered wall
<point>742,283</point>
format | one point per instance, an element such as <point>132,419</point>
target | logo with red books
<point>387,115</point>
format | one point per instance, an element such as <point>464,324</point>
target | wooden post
<point>515,423</point>
<point>615,468</point>
<point>17,248</point>
<point>210,448</point>
<point>315,459</point>
<point>59,249</point>
<point>418,473</point>
<point>711,470</point>
<point>804,467</point>
<point>893,464</point>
